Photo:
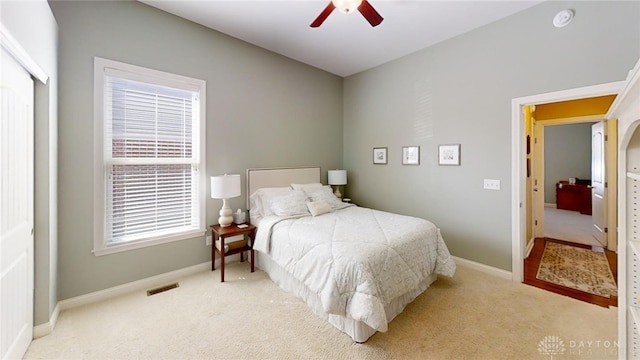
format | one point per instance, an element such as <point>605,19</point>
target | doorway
<point>522,244</point>
<point>568,176</point>
<point>566,148</point>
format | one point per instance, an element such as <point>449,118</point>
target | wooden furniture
<point>576,197</point>
<point>219,234</point>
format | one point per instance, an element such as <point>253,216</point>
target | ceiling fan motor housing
<point>346,6</point>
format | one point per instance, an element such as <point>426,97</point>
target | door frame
<point>13,47</point>
<point>518,162</point>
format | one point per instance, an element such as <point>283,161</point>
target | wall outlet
<point>208,240</point>
<point>491,184</point>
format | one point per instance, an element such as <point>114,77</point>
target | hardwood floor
<point>532,263</point>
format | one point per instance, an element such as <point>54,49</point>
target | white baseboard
<point>47,328</point>
<point>484,268</point>
<point>529,248</point>
<point>143,284</point>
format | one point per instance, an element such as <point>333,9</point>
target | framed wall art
<point>411,155</point>
<point>449,154</point>
<point>380,155</point>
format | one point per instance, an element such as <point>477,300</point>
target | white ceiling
<point>344,44</point>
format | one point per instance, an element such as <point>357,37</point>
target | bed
<point>355,267</point>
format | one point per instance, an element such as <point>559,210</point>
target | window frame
<point>138,73</point>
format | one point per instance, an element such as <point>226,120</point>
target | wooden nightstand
<point>219,233</point>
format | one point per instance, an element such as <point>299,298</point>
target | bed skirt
<point>358,330</point>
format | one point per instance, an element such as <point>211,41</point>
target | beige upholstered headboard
<point>280,177</point>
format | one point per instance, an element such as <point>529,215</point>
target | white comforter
<point>356,259</point>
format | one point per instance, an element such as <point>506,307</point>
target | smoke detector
<point>563,18</point>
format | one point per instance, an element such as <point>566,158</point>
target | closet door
<point>16,208</point>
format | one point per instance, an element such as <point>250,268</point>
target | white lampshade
<point>346,6</point>
<point>337,177</point>
<point>225,186</point>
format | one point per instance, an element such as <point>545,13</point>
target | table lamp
<point>225,187</point>
<point>337,178</point>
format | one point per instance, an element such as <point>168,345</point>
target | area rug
<point>577,268</point>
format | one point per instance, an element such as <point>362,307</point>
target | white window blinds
<point>151,160</point>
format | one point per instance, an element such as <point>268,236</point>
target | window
<point>149,178</point>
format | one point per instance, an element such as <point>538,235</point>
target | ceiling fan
<point>347,7</point>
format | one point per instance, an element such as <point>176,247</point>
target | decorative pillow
<point>293,203</point>
<point>260,200</point>
<point>307,187</point>
<point>325,193</point>
<point>319,207</point>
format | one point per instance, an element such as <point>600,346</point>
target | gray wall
<point>33,26</point>
<point>266,110</point>
<point>262,110</point>
<point>460,91</point>
<point>567,153</point>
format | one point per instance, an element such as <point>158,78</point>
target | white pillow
<point>325,193</point>
<point>319,207</point>
<point>259,201</point>
<point>294,203</point>
<point>306,187</point>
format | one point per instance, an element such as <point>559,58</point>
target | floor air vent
<point>162,289</point>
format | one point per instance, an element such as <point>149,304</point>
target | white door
<point>16,208</point>
<point>598,183</point>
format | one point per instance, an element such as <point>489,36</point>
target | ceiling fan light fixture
<point>346,6</point>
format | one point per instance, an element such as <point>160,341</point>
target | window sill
<point>112,249</point>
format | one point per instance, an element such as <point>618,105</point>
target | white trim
<point>504,274</point>
<point>131,245</point>
<point>47,328</point>
<point>625,97</point>
<point>13,47</point>
<point>138,285</point>
<point>518,188</point>
<point>150,282</point>
<point>529,248</point>
<point>102,67</point>
<point>106,294</point>
<point>626,109</point>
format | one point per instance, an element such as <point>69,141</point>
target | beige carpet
<point>577,268</point>
<point>471,316</point>
<point>569,226</point>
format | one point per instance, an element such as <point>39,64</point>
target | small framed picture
<point>449,154</point>
<point>411,155</point>
<point>380,155</point>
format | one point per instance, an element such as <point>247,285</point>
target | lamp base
<point>337,192</point>
<point>226,215</point>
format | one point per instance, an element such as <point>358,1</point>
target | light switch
<point>491,184</point>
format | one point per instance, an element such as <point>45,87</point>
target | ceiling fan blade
<point>323,15</point>
<point>370,13</point>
